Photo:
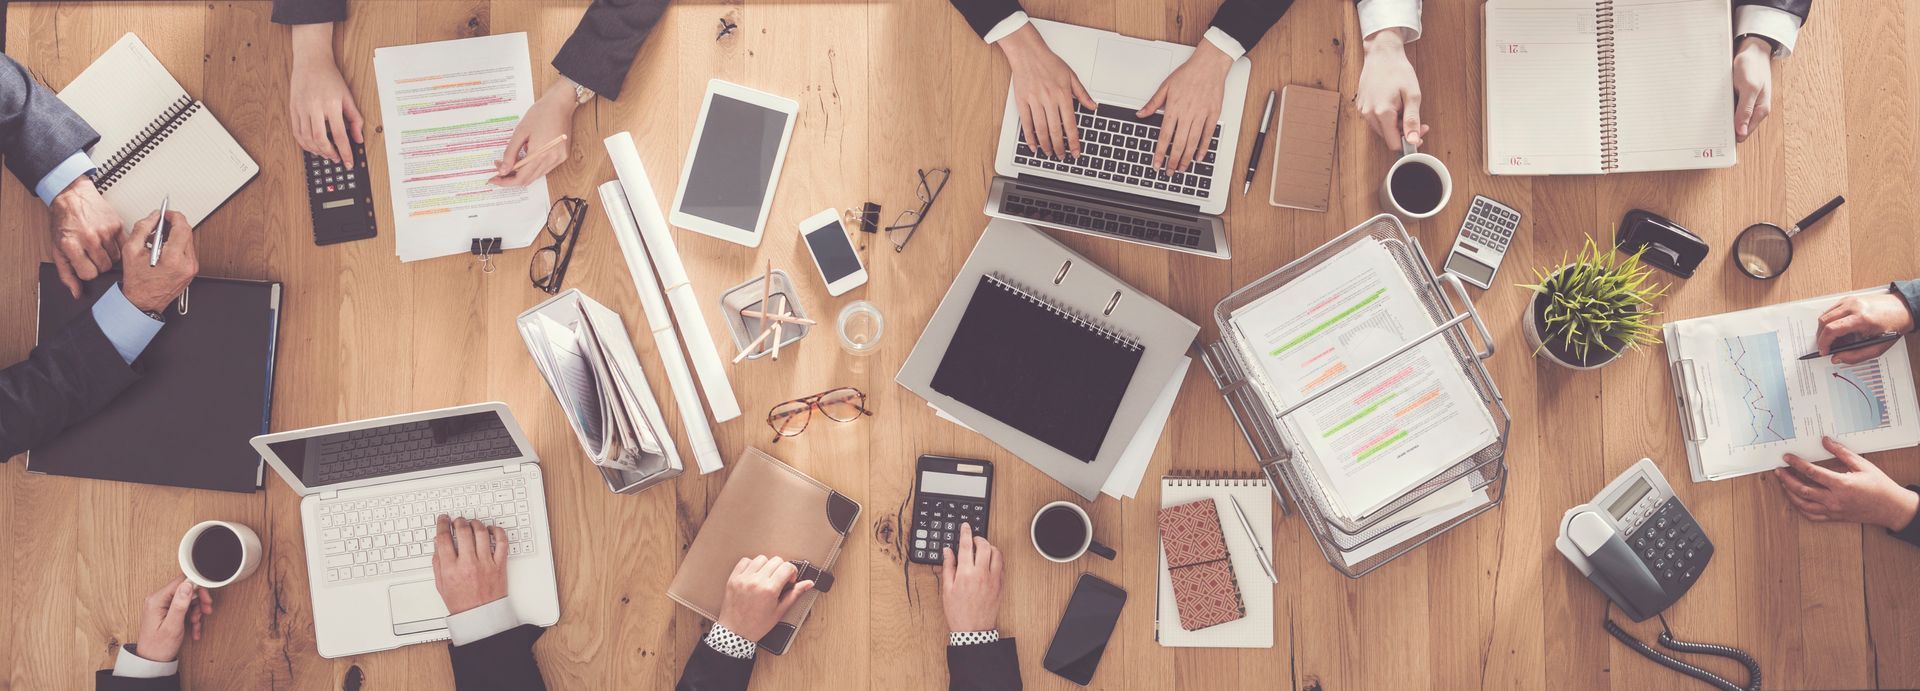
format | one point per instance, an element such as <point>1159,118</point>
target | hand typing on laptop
<point>1191,99</point>
<point>469,563</point>
<point>1046,89</point>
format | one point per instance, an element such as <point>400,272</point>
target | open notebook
<point>155,140</point>
<point>1255,630</point>
<point>1579,87</point>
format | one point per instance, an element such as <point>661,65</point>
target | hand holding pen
<point>160,271</point>
<point>1862,327</point>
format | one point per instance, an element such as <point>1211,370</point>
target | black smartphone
<point>1082,637</point>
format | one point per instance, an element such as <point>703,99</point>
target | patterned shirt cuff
<point>1006,27</point>
<point>132,666</point>
<point>56,180</point>
<point>729,643</point>
<point>959,638</point>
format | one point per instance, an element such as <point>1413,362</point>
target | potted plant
<point>1592,308</point>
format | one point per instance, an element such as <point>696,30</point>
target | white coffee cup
<point>249,553</point>
<point>1087,543</point>
<point>1412,156</point>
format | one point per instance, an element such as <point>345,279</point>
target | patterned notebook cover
<point>1204,586</point>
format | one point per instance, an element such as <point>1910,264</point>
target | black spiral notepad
<point>1038,368</point>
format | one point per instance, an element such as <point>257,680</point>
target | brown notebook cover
<point>1204,587</point>
<point>1303,154</point>
<point>769,508</point>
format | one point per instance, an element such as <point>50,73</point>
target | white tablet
<point>738,145</point>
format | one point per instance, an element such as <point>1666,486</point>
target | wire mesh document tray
<point>1356,546</point>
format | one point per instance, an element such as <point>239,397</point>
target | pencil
<point>750,346</point>
<point>536,152</point>
<point>787,318</point>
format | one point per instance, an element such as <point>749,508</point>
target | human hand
<point>1752,85</point>
<point>1044,90</point>
<point>1860,493</point>
<point>970,583</point>
<point>151,288</point>
<point>168,615</point>
<point>757,596</point>
<point>1190,99</point>
<point>550,117</point>
<point>1863,316</point>
<point>86,233</point>
<point>1389,94</point>
<point>320,107</point>
<point>469,563</point>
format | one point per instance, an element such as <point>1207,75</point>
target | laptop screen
<point>404,447</point>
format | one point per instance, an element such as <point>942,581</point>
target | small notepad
<point>1255,629</point>
<point>1195,549</point>
<point>1303,154</point>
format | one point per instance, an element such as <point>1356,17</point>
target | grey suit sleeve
<point>66,379</point>
<point>37,131</point>
<point>1909,292</point>
<point>309,11</point>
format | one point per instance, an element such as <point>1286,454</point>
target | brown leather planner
<point>1204,587</point>
<point>1303,156</point>
<point>767,507</point>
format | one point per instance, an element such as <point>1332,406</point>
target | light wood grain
<point>886,88</point>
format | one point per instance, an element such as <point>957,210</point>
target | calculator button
<point>920,533</point>
<point>920,544</point>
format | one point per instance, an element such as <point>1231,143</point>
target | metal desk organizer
<point>1281,456</point>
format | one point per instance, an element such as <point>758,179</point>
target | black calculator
<point>340,200</point>
<point>946,493</point>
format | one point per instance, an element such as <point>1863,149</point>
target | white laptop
<point>370,492</point>
<point>1112,190</point>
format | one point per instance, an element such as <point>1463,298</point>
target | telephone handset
<point>1643,549</point>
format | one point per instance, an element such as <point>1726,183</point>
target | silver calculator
<point>1484,236</point>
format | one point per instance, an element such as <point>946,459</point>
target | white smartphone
<point>833,254</point>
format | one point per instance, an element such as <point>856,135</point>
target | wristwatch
<point>1742,38</point>
<point>581,94</point>
<point>160,316</point>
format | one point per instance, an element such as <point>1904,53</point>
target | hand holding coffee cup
<point>1417,185</point>
<point>218,553</point>
<point>1062,532</point>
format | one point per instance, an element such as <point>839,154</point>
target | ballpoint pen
<point>1855,345</point>
<point>1259,140</point>
<point>1266,563</point>
<point>159,234</point>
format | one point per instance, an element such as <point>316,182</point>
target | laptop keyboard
<point>374,536</point>
<point>1117,224</point>
<point>1118,147</point>
<point>407,447</point>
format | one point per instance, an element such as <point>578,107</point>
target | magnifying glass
<point>1765,250</point>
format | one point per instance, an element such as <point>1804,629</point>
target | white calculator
<point>1483,240</point>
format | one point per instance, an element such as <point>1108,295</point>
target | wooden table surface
<point>886,88</point>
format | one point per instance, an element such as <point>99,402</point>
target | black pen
<point>1259,140</point>
<point>1856,345</point>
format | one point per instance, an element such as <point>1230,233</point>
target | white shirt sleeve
<point>1226,43</point>
<point>1781,26</point>
<point>135,667</point>
<point>1007,26</point>
<point>1390,14</point>
<point>482,622</point>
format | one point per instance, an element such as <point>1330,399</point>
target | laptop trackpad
<point>1133,69</point>
<point>416,607</point>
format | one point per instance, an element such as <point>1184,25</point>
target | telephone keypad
<point>1669,539</point>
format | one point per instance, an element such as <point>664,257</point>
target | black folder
<point>205,389</point>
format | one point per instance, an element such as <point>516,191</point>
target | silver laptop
<point>370,492</point>
<point>1112,190</point>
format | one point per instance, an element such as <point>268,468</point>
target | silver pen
<point>1259,139</point>
<point>1266,563</point>
<point>159,235</point>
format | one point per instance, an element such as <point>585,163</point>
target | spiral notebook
<point>156,141</point>
<point>1584,87</point>
<point>1255,494</point>
<point>1038,367</point>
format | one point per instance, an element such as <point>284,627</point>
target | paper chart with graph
<point>1393,428</point>
<point>1757,400</point>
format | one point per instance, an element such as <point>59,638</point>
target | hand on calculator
<point>970,583</point>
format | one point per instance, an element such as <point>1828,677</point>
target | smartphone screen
<point>833,251</point>
<point>1082,637</point>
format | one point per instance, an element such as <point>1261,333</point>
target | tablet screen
<point>733,163</point>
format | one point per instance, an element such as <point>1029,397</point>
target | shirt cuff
<point>1376,15</point>
<point>482,622</point>
<point>959,638</point>
<point>1225,43</point>
<point>135,667</point>
<point>62,175</point>
<point>1779,26</point>
<point>729,643</point>
<point>1006,27</point>
<point>128,328</point>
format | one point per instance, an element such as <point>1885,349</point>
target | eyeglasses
<point>931,182</point>
<point>844,404</point>
<point>549,266</point>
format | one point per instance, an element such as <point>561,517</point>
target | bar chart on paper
<point>1858,394</point>
<point>1759,381</point>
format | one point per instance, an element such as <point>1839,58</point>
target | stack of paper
<point>601,388</point>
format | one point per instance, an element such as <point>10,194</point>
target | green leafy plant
<point>1598,299</point>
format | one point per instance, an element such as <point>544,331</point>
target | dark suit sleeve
<point>1797,8</point>
<point>104,680</point>
<point>63,381</point>
<point>982,15</point>
<point>1911,533</point>
<point>984,667</point>
<point>501,662</point>
<point>709,670</point>
<point>603,46</point>
<point>309,11</point>
<point>37,131</point>
<point>1248,20</point>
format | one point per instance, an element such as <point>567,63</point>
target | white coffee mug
<point>1411,156</point>
<point>1087,543</point>
<point>249,553</point>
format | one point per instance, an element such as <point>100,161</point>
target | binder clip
<point>867,219</point>
<point>485,248</point>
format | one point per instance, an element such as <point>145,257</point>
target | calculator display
<point>1627,499</point>
<point>337,203</point>
<point>954,485</point>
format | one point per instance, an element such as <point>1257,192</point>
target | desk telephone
<point>1639,545</point>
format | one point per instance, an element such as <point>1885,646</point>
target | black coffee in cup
<point>1059,532</point>
<point>1417,187</point>
<point>217,553</point>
